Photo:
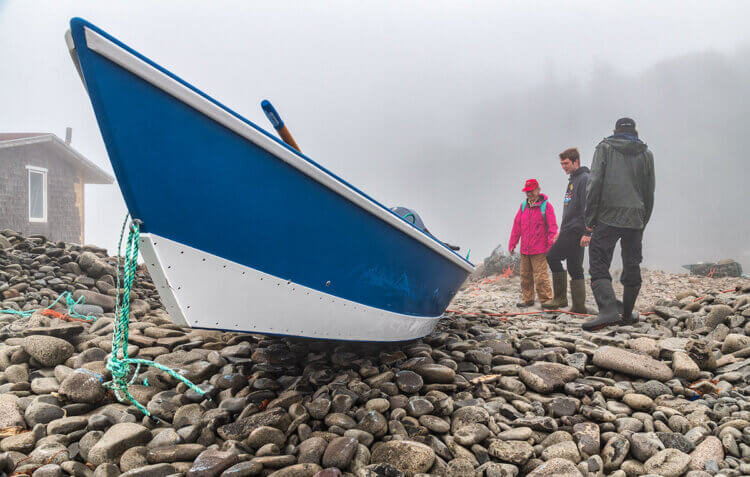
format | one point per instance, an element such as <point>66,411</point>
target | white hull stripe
<point>169,85</point>
<point>205,291</point>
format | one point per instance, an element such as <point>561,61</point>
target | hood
<point>542,198</point>
<point>579,171</point>
<point>628,147</point>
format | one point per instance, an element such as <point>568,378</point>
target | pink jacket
<point>536,236</point>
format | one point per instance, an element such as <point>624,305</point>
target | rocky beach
<point>489,393</point>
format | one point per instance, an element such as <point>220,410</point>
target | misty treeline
<point>692,111</point>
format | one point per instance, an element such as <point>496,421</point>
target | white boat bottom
<point>202,290</point>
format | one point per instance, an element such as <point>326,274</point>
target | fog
<point>444,107</point>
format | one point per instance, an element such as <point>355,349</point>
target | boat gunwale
<point>103,44</point>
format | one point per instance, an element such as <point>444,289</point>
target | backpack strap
<point>543,207</point>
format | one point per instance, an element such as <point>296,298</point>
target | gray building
<point>42,185</point>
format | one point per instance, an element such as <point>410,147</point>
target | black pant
<point>567,247</point>
<point>603,242</point>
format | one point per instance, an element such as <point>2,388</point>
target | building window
<point>37,194</point>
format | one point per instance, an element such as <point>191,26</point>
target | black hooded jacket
<point>620,191</point>
<point>574,203</point>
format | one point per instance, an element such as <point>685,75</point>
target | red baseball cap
<point>531,184</point>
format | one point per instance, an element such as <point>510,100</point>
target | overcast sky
<point>445,107</point>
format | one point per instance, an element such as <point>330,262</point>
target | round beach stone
<point>83,386</point>
<point>460,467</point>
<point>340,420</point>
<point>471,434</point>
<point>311,450</point>
<point>265,435</point>
<point>339,452</point>
<point>117,440</point>
<point>363,437</point>
<point>42,413</point>
<point>419,407</point>
<point>44,385</point>
<point>174,453</point>
<point>243,469</point>
<point>211,463</point>
<point>562,450</point>
<point>134,458</point>
<point>67,425</point>
<point>614,452</point>
<point>48,350</point>
<point>49,470</point>
<point>545,377</point>
<point>407,456</point>
<point>676,440</point>
<point>409,382</point>
<point>468,415</point>
<point>318,408</point>
<point>652,388</point>
<point>298,470</point>
<point>684,367</point>
<point>378,404</point>
<point>630,363</point>
<point>710,449</point>
<point>638,402</point>
<point>556,467</point>
<point>374,423</point>
<point>23,443</point>
<point>10,415</point>
<point>517,434</point>
<point>586,436</point>
<point>436,373</point>
<point>155,470</point>
<point>645,445</point>
<point>187,415</point>
<point>514,452</point>
<point>668,463</point>
<point>434,424</point>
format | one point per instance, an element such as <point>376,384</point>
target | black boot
<point>609,311</point>
<point>629,295</point>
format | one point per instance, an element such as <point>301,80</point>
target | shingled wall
<point>63,216</point>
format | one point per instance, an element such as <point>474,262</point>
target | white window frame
<point>43,171</point>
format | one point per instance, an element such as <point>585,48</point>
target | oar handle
<point>278,123</point>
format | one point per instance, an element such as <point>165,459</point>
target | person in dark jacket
<point>619,202</point>
<point>568,243</point>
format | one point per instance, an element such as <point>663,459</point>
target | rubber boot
<point>578,296</point>
<point>629,296</point>
<point>609,311</point>
<point>560,286</point>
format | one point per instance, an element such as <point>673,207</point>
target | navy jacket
<point>574,204</point>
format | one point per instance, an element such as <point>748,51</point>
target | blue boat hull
<point>195,181</point>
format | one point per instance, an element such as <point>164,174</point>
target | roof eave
<point>91,173</point>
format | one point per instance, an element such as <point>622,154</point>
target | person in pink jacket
<point>536,227</point>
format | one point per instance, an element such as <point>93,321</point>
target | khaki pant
<point>534,272</point>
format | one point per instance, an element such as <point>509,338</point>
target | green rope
<point>119,362</point>
<point>69,302</point>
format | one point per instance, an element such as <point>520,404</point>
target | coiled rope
<point>119,362</point>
